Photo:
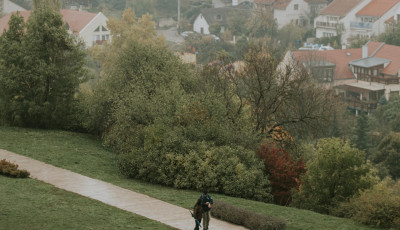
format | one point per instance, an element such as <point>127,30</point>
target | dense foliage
<point>336,173</point>
<point>41,67</point>
<point>284,172</point>
<point>246,218</point>
<point>11,170</point>
<point>378,206</point>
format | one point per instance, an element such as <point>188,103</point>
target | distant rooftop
<point>377,8</point>
<point>340,7</point>
<point>370,62</point>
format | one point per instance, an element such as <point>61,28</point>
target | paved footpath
<point>110,194</point>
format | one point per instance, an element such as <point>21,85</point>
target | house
<point>336,17</point>
<point>220,3</point>
<point>300,12</point>
<point>216,16</point>
<point>90,27</point>
<point>355,18</point>
<point>7,6</point>
<point>360,76</point>
<point>371,20</point>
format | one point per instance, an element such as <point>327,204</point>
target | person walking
<point>206,202</point>
<point>198,213</point>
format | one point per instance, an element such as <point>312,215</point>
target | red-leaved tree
<point>284,173</point>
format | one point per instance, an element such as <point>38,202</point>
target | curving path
<point>110,194</point>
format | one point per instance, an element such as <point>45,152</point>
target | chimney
<point>235,2</point>
<point>365,51</point>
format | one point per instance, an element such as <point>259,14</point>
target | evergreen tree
<point>47,68</point>
<point>361,132</point>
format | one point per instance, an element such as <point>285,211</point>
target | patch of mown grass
<point>31,204</point>
<point>85,154</point>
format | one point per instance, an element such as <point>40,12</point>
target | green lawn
<point>31,204</point>
<point>84,154</point>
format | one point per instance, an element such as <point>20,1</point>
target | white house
<point>336,17</point>
<point>371,19</point>
<point>294,11</point>
<point>90,27</point>
<point>219,16</point>
<point>300,12</point>
<point>7,6</point>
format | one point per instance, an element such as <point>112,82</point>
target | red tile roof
<point>340,7</point>
<point>338,57</point>
<point>342,58</point>
<point>281,4</point>
<point>377,8</point>
<point>392,53</point>
<point>76,20</point>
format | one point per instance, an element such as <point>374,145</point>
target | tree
<point>335,173</point>
<point>261,24</point>
<point>46,74</point>
<point>391,35</point>
<point>388,154</point>
<point>284,172</point>
<point>283,96</point>
<point>361,132</point>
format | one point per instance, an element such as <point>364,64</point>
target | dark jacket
<point>204,200</point>
<point>198,212</point>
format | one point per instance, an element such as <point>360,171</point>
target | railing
<point>361,25</point>
<point>357,103</point>
<point>386,81</point>
<point>326,24</point>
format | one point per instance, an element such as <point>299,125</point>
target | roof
<point>340,58</point>
<point>370,62</point>
<point>77,20</point>
<point>377,8</point>
<point>281,4</point>
<point>264,2</point>
<point>389,52</point>
<point>340,7</point>
<point>210,13</point>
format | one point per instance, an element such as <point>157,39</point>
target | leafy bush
<point>245,218</point>
<point>9,169</point>
<point>284,172</point>
<point>336,173</point>
<point>223,169</point>
<point>379,206</point>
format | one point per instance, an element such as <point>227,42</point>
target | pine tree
<point>361,132</point>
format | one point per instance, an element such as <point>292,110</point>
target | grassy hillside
<point>85,154</point>
<point>31,204</point>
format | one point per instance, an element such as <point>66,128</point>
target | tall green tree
<point>391,35</point>
<point>47,75</point>
<point>388,155</point>
<point>335,173</point>
<point>361,132</point>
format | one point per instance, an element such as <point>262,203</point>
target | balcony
<point>361,25</point>
<point>385,80</point>
<point>358,104</point>
<point>326,25</point>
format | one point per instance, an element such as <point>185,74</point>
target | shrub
<point>379,206</point>
<point>284,172</point>
<point>245,218</point>
<point>9,169</point>
<point>232,171</point>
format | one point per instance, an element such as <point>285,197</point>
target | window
<point>296,6</point>
<point>103,28</point>
<point>97,29</point>
<point>218,17</point>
